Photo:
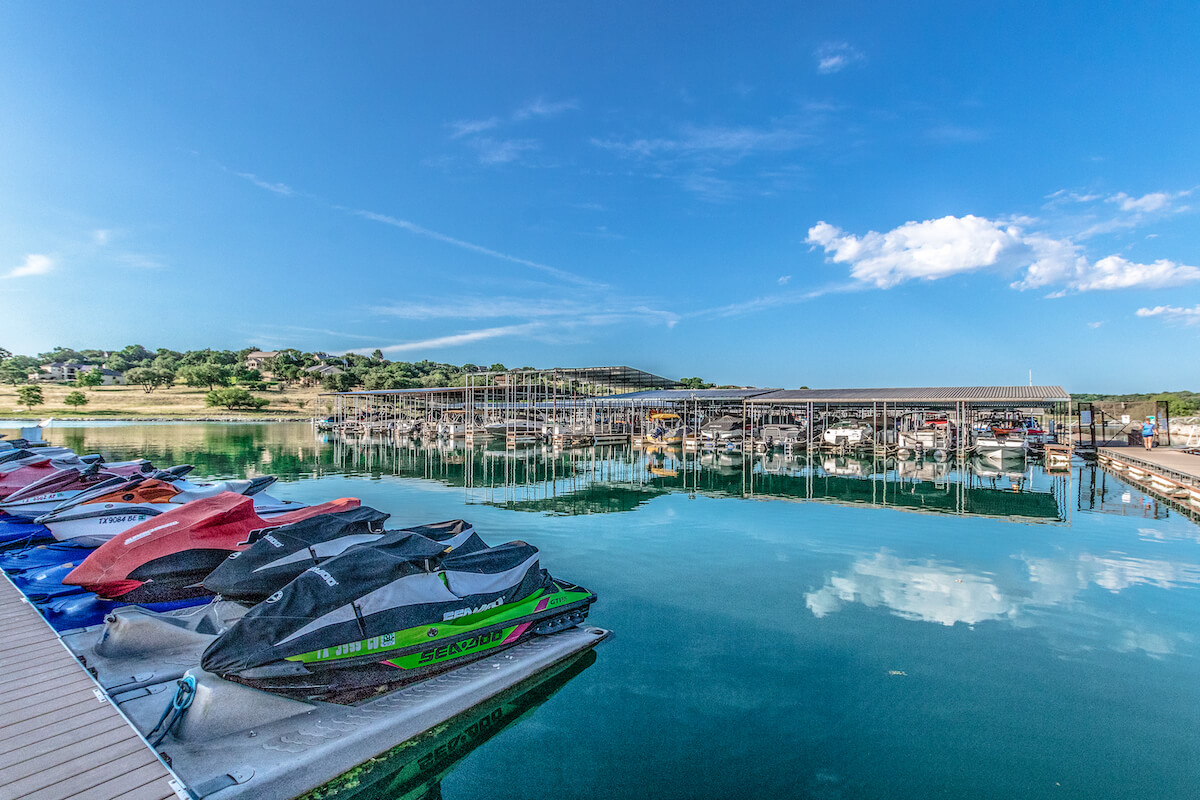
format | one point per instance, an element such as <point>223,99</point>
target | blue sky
<point>834,194</point>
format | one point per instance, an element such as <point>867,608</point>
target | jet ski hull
<point>417,653</point>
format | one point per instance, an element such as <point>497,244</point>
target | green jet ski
<point>393,613</point>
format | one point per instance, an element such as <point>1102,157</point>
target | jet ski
<point>19,457</point>
<point>31,471</point>
<point>167,557</point>
<point>391,614</point>
<point>252,575</point>
<point>92,519</point>
<point>44,494</point>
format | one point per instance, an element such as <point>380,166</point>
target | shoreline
<point>33,421</point>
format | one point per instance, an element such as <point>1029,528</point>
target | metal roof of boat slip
<point>920,394</point>
<point>59,735</point>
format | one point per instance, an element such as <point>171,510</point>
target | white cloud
<point>939,248</point>
<point>783,279</point>
<point>101,236</point>
<point>1186,316</point>
<point>34,264</point>
<point>1094,325</point>
<point>1115,272</point>
<point>927,250</point>
<point>1146,203</point>
<point>835,56</point>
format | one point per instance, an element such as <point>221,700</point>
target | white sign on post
<point>1085,418</point>
<point>1124,419</point>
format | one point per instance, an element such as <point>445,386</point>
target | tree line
<point>218,369</point>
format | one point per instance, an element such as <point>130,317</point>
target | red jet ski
<point>168,556</point>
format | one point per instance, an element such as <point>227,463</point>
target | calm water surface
<point>834,629</point>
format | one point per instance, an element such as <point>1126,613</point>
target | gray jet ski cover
<point>375,590</point>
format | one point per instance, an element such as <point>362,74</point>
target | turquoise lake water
<point>833,629</point>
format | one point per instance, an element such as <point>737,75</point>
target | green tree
<point>234,397</point>
<point>694,383</point>
<point>90,378</point>
<point>210,375</point>
<point>30,396</point>
<point>11,373</point>
<point>149,378</point>
<point>76,399</point>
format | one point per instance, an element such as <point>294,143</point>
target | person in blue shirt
<point>1148,428</point>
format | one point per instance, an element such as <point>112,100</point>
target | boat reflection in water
<point>616,477</point>
<point>415,769</point>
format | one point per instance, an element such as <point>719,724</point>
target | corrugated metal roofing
<point>680,395</point>
<point>925,394</point>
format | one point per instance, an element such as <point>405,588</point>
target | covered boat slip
<point>561,401</point>
<point>59,737</point>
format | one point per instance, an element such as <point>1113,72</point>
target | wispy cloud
<point>1094,325</point>
<point>955,134</point>
<point>494,150</point>
<point>699,157</point>
<point>1183,316</point>
<point>783,280</point>
<point>836,56</point>
<point>270,186</point>
<point>502,151</point>
<point>34,264</point>
<point>413,228</point>
<point>543,108</point>
<point>453,340</point>
<point>468,127</point>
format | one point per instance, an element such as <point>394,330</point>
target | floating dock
<point>1172,474</point>
<point>60,737</point>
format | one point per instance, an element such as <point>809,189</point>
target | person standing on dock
<point>1148,429</point>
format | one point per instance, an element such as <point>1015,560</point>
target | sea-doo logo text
<point>454,648</point>
<point>275,542</point>
<point>325,576</point>
<point>462,612</point>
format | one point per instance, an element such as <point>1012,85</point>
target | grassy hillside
<point>177,402</point>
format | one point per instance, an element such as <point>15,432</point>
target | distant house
<point>256,359</point>
<point>109,377</point>
<point>68,373</point>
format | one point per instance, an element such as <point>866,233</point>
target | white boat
<point>850,432</point>
<point>999,443</point>
<point>777,434</point>
<point>725,428</point>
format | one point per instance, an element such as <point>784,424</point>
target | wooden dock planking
<point>58,739</point>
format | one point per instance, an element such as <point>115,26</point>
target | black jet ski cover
<point>276,559</point>
<point>371,591</point>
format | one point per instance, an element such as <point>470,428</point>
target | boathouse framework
<point>590,404</point>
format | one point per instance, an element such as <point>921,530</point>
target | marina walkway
<point>59,736</point>
<point>1177,465</point>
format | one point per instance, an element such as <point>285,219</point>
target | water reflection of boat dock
<point>612,478</point>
